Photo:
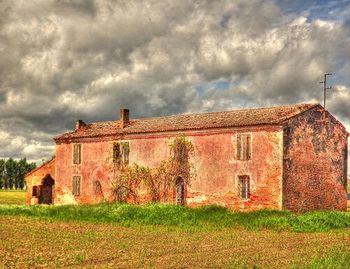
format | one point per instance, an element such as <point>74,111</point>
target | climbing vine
<point>181,150</point>
<point>129,180</point>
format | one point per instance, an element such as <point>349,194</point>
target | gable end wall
<point>315,163</point>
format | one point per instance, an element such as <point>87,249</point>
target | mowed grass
<point>13,197</point>
<point>33,243</point>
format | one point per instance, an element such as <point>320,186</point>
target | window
<point>76,185</point>
<point>244,187</point>
<point>125,152</point>
<point>97,187</point>
<point>76,153</point>
<point>244,151</point>
<point>116,152</point>
<point>35,191</point>
<point>121,152</point>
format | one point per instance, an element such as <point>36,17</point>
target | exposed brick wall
<point>315,163</point>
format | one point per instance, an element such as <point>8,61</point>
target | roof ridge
<point>212,112</point>
<point>193,121</point>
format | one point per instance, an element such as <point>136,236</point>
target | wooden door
<point>180,191</point>
<point>46,190</point>
<point>46,194</point>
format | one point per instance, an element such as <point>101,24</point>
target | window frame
<point>123,152</point>
<point>76,185</point>
<point>77,154</point>
<point>116,157</point>
<point>244,187</point>
<point>244,146</point>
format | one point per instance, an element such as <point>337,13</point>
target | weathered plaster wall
<point>35,178</point>
<point>218,170</point>
<point>93,167</point>
<point>315,163</point>
<point>215,163</point>
<point>96,165</point>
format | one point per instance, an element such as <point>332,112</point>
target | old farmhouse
<point>287,157</point>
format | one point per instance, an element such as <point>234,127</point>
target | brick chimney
<point>124,117</point>
<point>79,124</point>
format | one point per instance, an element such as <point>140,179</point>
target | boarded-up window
<point>244,186</point>
<point>244,151</point>
<point>76,153</point>
<point>35,191</point>
<point>76,185</point>
<point>121,152</point>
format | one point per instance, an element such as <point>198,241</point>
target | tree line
<point>12,173</point>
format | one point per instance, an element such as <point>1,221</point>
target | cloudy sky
<point>78,59</point>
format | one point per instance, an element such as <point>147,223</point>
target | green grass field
<point>207,217</point>
<point>166,236</point>
<point>13,197</point>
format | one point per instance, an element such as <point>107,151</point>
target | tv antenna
<point>325,88</point>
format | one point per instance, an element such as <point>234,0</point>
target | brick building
<point>287,157</point>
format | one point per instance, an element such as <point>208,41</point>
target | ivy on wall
<point>127,181</point>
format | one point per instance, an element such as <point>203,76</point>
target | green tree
<point>2,173</point>
<point>21,171</point>
<point>12,173</point>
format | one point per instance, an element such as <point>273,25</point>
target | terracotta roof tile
<point>235,118</point>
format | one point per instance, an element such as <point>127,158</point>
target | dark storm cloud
<point>84,7</point>
<point>64,60</point>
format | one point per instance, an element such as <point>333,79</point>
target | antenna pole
<point>325,88</point>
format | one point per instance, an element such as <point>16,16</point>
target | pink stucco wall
<point>214,160</point>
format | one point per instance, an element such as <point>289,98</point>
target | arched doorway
<point>179,191</point>
<point>46,190</point>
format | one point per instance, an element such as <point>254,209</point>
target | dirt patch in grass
<point>27,243</point>
<point>13,197</point>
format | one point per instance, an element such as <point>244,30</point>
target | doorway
<point>179,191</point>
<point>46,190</point>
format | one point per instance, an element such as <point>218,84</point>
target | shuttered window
<point>121,152</point>
<point>244,150</point>
<point>244,186</point>
<point>116,152</point>
<point>125,152</point>
<point>76,153</point>
<point>76,185</point>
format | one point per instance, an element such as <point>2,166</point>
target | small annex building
<point>285,157</point>
<point>40,184</point>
